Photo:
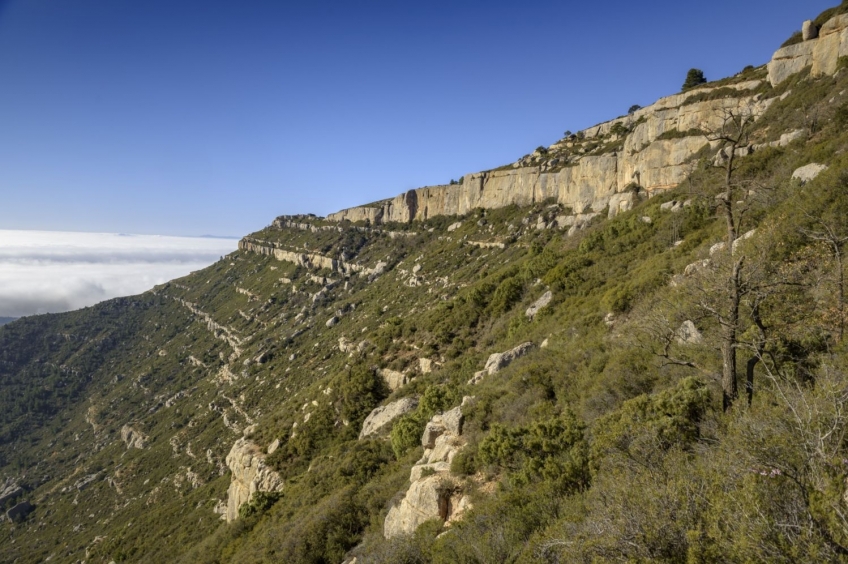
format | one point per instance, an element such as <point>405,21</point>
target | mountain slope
<point>549,362</point>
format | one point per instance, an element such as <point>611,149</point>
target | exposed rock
<point>10,492</point>
<point>454,226</point>
<point>820,51</point>
<point>432,493</point>
<point>809,30</point>
<point>688,334</point>
<point>273,446</point>
<point>452,420</point>
<point>332,322</point>
<point>718,247</point>
<point>497,361</point>
<point>809,172</point>
<point>539,304</point>
<point>133,437</point>
<point>697,266</point>
<point>744,237</point>
<point>433,497</point>
<point>673,206</point>
<point>419,469</point>
<point>381,418</point>
<point>221,509</point>
<point>432,431</point>
<point>425,365</point>
<point>249,475</point>
<point>394,379</point>
<point>590,183</point>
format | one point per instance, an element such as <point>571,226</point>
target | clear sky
<point>212,117</point>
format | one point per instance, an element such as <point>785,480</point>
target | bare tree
<point>733,134</point>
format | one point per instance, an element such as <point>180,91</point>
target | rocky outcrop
<point>539,304</point>
<point>250,474</point>
<point>587,183</point>
<point>380,420</point>
<point>433,493</point>
<point>10,491</point>
<point>497,361</point>
<point>307,260</point>
<point>394,380</point>
<point>820,51</point>
<point>809,172</point>
<point>688,334</point>
<point>133,437</point>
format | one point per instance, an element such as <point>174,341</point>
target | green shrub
<point>552,450</point>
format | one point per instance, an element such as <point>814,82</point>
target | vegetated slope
<point>606,440</point>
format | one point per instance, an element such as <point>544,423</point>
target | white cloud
<point>51,271</point>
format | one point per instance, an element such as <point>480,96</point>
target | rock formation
<point>820,50</point>
<point>539,304</point>
<point>587,183</point>
<point>808,172</point>
<point>379,420</point>
<point>249,474</point>
<point>133,437</point>
<point>393,379</point>
<point>433,492</point>
<point>497,361</point>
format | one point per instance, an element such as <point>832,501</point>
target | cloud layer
<point>51,271</point>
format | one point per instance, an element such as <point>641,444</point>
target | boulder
<point>688,334</point>
<point>332,322</point>
<point>809,172</point>
<point>426,365</point>
<point>393,379</point>
<point>380,419</point>
<point>539,304</point>
<point>250,474</point>
<point>809,30</point>
<point>273,446</point>
<point>497,361</point>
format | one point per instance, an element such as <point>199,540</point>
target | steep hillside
<point>627,346</point>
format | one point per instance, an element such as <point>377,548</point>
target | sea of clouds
<point>52,271</point>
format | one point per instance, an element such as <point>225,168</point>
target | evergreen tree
<point>694,78</point>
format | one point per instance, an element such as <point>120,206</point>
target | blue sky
<point>209,117</point>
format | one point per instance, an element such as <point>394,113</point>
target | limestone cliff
<point>820,51</point>
<point>587,172</point>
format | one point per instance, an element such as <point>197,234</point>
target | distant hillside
<point>626,347</point>
<point>5,320</point>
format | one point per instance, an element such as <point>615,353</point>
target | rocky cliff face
<point>653,155</point>
<point>820,51</point>
<point>593,182</point>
